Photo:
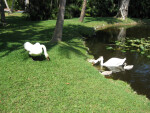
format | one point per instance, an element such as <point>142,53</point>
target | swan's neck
<point>101,61</point>
<point>45,51</point>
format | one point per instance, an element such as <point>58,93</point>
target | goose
<point>112,62</point>
<point>106,72</point>
<point>36,49</point>
<point>127,67</point>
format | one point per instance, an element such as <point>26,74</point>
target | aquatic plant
<point>133,45</point>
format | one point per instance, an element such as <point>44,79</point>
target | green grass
<point>67,83</point>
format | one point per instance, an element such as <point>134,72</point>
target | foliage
<point>134,45</point>
<point>139,9</point>
<point>43,10</point>
<point>72,10</point>
<point>48,10</point>
<point>102,8</point>
<point>36,10</point>
<point>19,4</point>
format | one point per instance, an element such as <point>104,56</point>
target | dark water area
<point>139,76</point>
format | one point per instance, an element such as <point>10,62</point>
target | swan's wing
<point>28,46</point>
<point>36,50</point>
<point>115,62</point>
<point>37,44</point>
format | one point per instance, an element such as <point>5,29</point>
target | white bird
<point>36,49</point>
<point>127,67</point>
<point>114,62</point>
<point>106,72</point>
<point>93,61</point>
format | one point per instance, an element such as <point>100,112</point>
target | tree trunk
<point>123,10</point>
<point>12,7</point>
<point>83,11</point>
<point>60,21</point>
<point>2,11</point>
<point>7,6</point>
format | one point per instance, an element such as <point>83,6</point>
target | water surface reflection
<point>139,76</point>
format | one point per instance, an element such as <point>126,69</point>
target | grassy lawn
<point>67,83</point>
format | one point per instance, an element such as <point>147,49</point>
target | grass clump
<point>67,83</point>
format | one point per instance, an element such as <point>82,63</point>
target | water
<point>139,76</point>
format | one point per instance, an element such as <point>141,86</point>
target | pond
<point>139,76</point>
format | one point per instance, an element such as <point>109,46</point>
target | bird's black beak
<point>48,58</point>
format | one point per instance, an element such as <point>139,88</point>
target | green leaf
<point>123,51</point>
<point>142,52</point>
<point>133,50</point>
<point>109,47</point>
<point>142,47</point>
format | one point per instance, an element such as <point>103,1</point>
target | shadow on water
<point>139,76</point>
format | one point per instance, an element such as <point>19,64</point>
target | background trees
<point>139,8</point>
<point>42,10</point>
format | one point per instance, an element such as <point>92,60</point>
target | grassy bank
<point>67,83</point>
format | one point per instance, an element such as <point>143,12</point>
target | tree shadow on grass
<point>66,49</point>
<point>13,36</point>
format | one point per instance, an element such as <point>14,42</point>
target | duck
<point>112,62</point>
<point>36,49</point>
<point>127,67</point>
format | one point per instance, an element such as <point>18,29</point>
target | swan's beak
<point>48,58</point>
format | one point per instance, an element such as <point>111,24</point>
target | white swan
<point>127,67</point>
<point>112,62</point>
<point>36,49</point>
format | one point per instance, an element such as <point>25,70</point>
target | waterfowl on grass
<point>113,62</point>
<point>36,49</point>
